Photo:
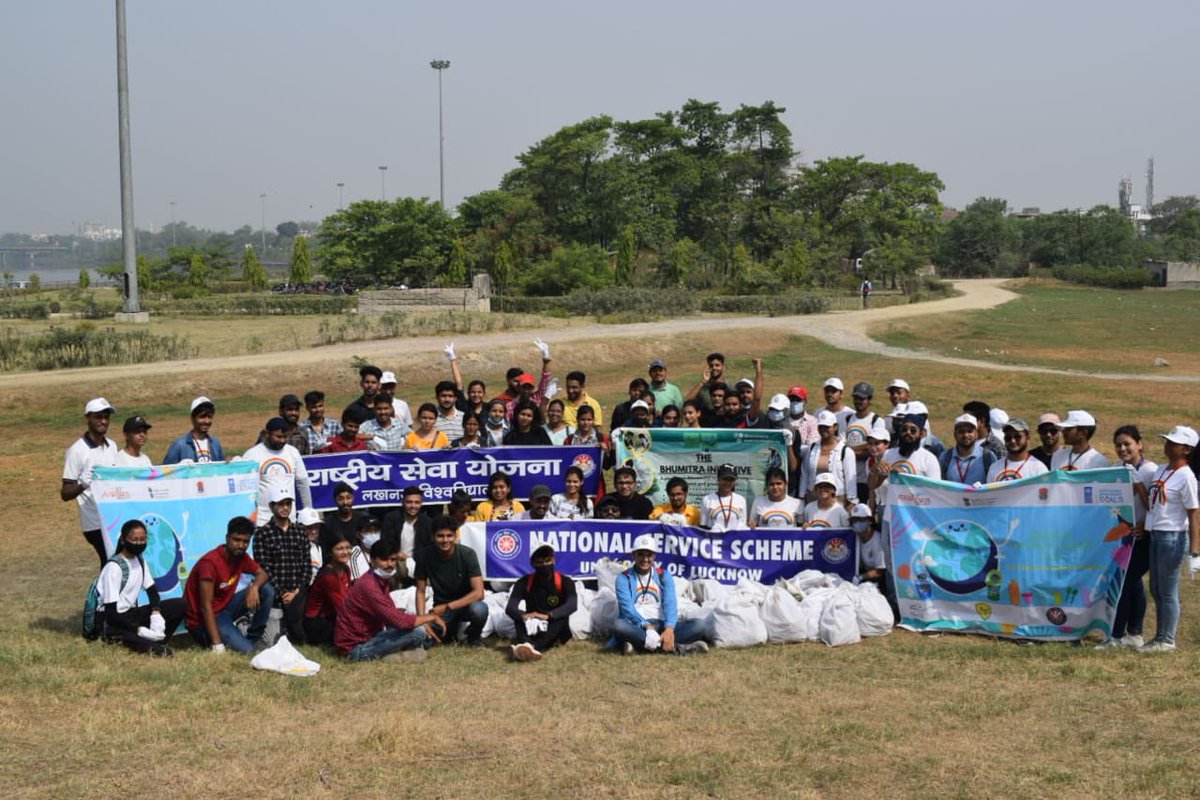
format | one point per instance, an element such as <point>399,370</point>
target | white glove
<point>535,626</point>
<point>449,351</point>
<point>85,479</point>
<point>542,346</point>
<point>653,640</point>
<point>218,648</point>
<point>158,624</point>
<point>154,636</point>
<point>789,436</point>
<point>551,388</point>
<point>183,462</point>
<point>1193,565</point>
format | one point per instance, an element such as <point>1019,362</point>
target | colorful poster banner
<point>1039,558</point>
<point>763,555</point>
<point>185,507</point>
<point>379,478</point>
<point>659,454</point>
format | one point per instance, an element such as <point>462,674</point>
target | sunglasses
<point>1048,430</point>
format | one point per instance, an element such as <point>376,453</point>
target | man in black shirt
<point>452,571</point>
<point>345,520</point>
<point>368,378</point>
<point>632,504</point>
<point>550,600</point>
<point>281,548</point>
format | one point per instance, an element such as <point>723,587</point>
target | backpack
<point>93,611</point>
<point>558,582</point>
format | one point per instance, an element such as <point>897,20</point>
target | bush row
<point>628,303</point>
<point>86,347</point>
<point>1108,277</point>
<point>252,305</point>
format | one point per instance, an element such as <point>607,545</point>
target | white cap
<point>1079,419</point>
<point>899,410</point>
<point>879,432</point>
<point>1182,434</point>
<point>645,542</point>
<point>779,402</point>
<point>825,477</point>
<point>998,419</point>
<point>99,406</point>
<point>835,383</point>
<point>387,377</point>
<point>899,383</point>
<point>281,493</point>
<point>966,419</point>
<point>201,401</point>
<point>916,407</point>
<point>744,382</point>
<point>861,510</point>
<point>826,418</point>
<point>308,516</point>
<point>639,404</point>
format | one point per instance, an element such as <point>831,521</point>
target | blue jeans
<point>231,637</point>
<point>389,640</point>
<point>475,615</point>
<point>686,631</point>
<point>1166,559</point>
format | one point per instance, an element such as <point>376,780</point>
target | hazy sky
<point>1043,103</point>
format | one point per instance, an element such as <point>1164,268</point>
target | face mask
<point>386,574</point>
<point>369,540</point>
<point>134,549</point>
<point>775,416</point>
<point>861,527</point>
<point>797,408</point>
<point>546,571</point>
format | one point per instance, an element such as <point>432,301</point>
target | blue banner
<point>185,507</point>
<point>379,478</point>
<point>763,555</point>
<point>1044,557</point>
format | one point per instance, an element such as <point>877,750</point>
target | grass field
<point>1066,326</point>
<point>903,715</point>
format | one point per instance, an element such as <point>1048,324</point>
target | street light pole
<point>263,198</point>
<point>172,223</point>
<point>440,66</point>
<point>128,234</point>
<point>341,205</point>
<point>383,184</point>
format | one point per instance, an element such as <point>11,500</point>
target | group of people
<point>330,577</point>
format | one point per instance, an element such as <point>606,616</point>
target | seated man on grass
<point>550,600</point>
<point>647,619</point>
<point>213,602</point>
<point>452,571</point>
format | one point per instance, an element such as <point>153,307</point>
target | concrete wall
<point>476,298</point>
<point>1175,274</point>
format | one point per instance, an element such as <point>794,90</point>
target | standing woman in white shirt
<point>571,503</point>
<point>1131,609</point>
<point>1173,513</point>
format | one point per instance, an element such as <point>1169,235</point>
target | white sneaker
<point>525,652</point>
<point>1132,640</point>
<point>1157,646</point>
<point>1111,644</point>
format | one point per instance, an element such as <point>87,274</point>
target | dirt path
<point>845,330</point>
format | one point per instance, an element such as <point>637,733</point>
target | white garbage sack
<point>406,600</point>
<point>735,623</point>
<point>874,615</point>
<point>807,580</point>
<point>603,612</point>
<point>580,622</point>
<point>285,659</point>
<point>584,595</point>
<point>501,624</point>
<point>607,571</point>
<point>809,615</point>
<point>683,588</point>
<point>753,590</point>
<point>706,589</point>
<point>839,619</point>
<point>496,603</point>
<point>781,614</point>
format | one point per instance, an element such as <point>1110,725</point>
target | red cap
<point>798,391</point>
<point>525,377</point>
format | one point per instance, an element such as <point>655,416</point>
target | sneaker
<point>628,649</point>
<point>691,648</point>
<point>1111,644</point>
<point>1133,640</point>
<point>525,652</point>
<point>1157,646</point>
<point>414,656</point>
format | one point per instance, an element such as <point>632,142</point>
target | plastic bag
<point>584,595</point>
<point>780,613</point>
<point>752,590</point>
<point>839,620</point>
<point>603,613</point>
<point>735,623</point>
<point>808,617</point>
<point>874,615</point>
<point>607,571</point>
<point>580,622</point>
<point>285,659</point>
<point>706,589</point>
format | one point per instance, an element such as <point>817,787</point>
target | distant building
<point>97,232</point>
<point>1175,274</point>
<point>1026,213</point>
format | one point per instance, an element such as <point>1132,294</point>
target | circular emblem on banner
<point>1056,616</point>
<point>835,550</point>
<point>585,463</point>
<point>505,544</point>
<point>644,471</point>
<point>636,440</point>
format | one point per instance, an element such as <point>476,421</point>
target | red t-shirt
<point>215,566</point>
<point>327,593</point>
<point>338,445</point>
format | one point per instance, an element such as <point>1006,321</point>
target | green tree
<point>626,253</point>
<point>254,275</point>
<point>301,266</point>
<point>740,268</point>
<point>975,242</point>
<point>795,268</point>
<point>287,230</point>
<point>198,272</point>
<point>683,261</point>
<point>574,266</point>
<point>405,241</point>
<point>504,268</point>
<point>35,282</point>
<point>1101,237</point>
<point>85,280</point>
<point>459,266</point>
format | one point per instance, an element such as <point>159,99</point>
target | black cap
<point>726,471</point>
<point>278,424</point>
<point>289,400</point>
<point>541,490</point>
<point>368,522</point>
<point>862,389</point>
<point>137,423</point>
<point>542,552</point>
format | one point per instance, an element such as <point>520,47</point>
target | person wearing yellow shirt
<point>499,506</point>
<point>677,510</point>
<point>426,436</point>
<point>577,396</point>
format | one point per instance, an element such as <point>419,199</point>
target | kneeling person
<point>647,618</point>
<point>549,602</point>
<point>452,571</point>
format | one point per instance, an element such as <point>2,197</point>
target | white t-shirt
<point>562,508</point>
<point>843,418</point>
<point>1066,459</point>
<point>408,537</point>
<point>645,596</point>
<point>870,553</point>
<point>1005,470</point>
<point>282,467</point>
<point>1144,474</point>
<point>786,513</point>
<point>81,457</point>
<point>836,516</point>
<point>1172,495</point>
<point>203,449</point>
<point>125,596</point>
<point>123,459</point>
<point>721,514</point>
<point>920,462</point>
<point>315,557</point>
<point>854,435</point>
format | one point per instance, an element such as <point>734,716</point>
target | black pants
<point>293,616</point>
<point>319,630</point>
<point>96,540</point>
<point>558,631</point>
<point>122,627</point>
<point>1131,608</point>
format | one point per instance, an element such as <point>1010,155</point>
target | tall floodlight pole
<point>341,205</point>
<point>263,198</point>
<point>383,184</point>
<point>440,66</point>
<point>172,223</point>
<point>128,242</point>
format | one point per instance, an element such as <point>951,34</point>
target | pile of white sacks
<point>811,607</point>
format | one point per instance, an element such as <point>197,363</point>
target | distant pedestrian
<point>866,289</point>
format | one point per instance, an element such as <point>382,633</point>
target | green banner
<point>659,454</point>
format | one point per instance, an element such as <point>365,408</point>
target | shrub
<point>254,305</point>
<point>774,305</point>
<point>1107,277</point>
<point>643,303</point>
<point>26,310</point>
<point>85,347</point>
